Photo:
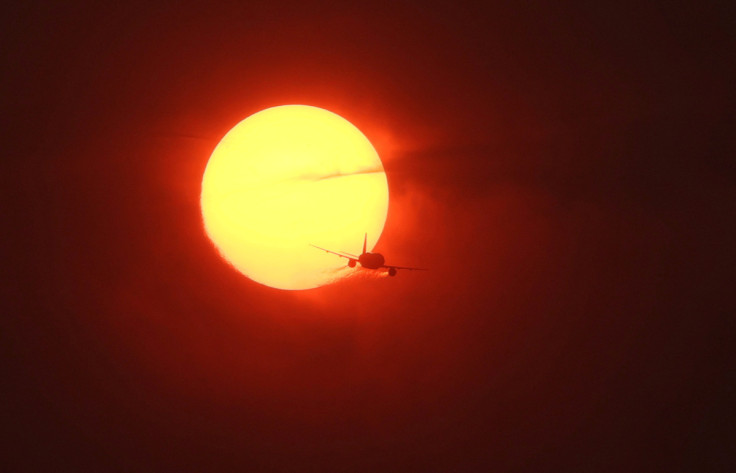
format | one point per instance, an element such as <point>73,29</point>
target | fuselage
<point>371,260</point>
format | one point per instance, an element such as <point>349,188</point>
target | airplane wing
<point>343,254</point>
<point>404,267</point>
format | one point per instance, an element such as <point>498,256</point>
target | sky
<point>565,171</point>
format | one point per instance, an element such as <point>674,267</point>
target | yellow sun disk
<point>288,177</point>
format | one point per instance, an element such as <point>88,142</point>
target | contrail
<point>345,272</point>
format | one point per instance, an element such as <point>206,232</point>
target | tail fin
<point>365,242</point>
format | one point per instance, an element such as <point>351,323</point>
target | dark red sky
<point>566,171</point>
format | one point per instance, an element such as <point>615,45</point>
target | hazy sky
<point>565,171</point>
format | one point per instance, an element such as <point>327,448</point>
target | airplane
<point>369,260</point>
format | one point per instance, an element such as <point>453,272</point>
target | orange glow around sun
<point>287,177</point>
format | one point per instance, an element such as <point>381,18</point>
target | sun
<point>286,178</point>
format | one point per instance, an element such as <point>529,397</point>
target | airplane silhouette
<point>369,260</point>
